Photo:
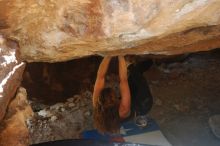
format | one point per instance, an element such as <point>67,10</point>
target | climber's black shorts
<point>141,98</point>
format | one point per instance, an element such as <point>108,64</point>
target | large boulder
<point>11,70</point>
<point>59,30</point>
<point>13,129</point>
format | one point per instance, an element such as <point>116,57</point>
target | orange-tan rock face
<point>11,70</point>
<point>13,129</point>
<point>49,30</point>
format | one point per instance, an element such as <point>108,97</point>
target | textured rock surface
<point>49,30</point>
<point>11,70</point>
<point>63,120</point>
<point>13,129</point>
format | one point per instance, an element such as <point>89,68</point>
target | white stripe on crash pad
<point>150,138</point>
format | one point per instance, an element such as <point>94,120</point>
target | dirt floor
<point>185,95</point>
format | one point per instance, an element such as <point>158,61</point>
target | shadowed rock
<point>13,129</point>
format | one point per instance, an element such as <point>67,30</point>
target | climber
<point>135,99</point>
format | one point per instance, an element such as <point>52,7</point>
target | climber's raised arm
<point>124,108</point>
<point>100,79</point>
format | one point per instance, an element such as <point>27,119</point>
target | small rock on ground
<point>214,123</point>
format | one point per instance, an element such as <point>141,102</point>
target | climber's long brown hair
<point>105,114</point>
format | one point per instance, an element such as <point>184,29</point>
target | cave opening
<point>50,83</point>
<point>185,88</point>
<point>55,82</point>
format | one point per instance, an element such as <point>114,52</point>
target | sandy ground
<point>185,95</point>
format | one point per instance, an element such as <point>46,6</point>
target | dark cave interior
<point>55,82</point>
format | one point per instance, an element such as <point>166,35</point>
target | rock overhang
<point>55,31</point>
